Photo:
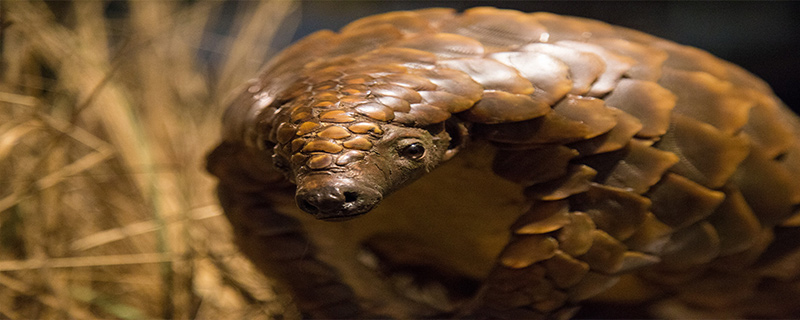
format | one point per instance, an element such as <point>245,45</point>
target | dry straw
<point>106,112</point>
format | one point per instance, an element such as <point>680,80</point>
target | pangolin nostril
<point>331,197</point>
<point>306,206</point>
<point>350,196</point>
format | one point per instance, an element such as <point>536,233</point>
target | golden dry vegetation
<point>106,112</point>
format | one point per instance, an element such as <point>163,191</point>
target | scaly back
<point>635,150</point>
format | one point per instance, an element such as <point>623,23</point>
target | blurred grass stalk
<point>105,210</point>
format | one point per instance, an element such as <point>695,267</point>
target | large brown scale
<point>581,163</point>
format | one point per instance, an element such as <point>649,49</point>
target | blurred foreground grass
<point>106,112</point>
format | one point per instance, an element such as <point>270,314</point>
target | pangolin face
<point>338,143</point>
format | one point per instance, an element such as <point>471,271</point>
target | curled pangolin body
<point>636,156</point>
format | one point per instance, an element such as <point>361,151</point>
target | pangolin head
<point>348,140</point>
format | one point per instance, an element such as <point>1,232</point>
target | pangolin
<point>500,164</point>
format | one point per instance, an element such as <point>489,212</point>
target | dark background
<point>762,37</point>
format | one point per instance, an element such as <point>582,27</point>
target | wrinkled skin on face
<point>341,185</point>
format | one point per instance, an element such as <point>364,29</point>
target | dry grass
<point>105,116</point>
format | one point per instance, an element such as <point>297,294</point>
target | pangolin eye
<point>413,151</point>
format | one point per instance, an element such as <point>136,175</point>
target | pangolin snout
<point>329,197</point>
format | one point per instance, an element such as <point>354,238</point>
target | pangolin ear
<point>459,135</point>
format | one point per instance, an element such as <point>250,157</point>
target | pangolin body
<point>579,162</point>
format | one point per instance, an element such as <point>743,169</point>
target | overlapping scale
<point>584,67</point>
<point>645,100</point>
<point>679,202</point>
<point>687,58</point>
<point>707,155</point>
<point>417,82</point>
<point>640,168</point>
<point>396,91</point>
<point>322,146</point>
<point>618,137</point>
<point>548,75</point>
<point>632,260</point>
<point>422,115</point>
<point>364,40</point>
<point>616,211</point>
<point>349,156</point>
<point>455,82</point>
<point>708,99</point>
<point>768,188</point>
<point>735,223</point>
<point>606,254</point>
<point>576,180</point>
<point>445,101</point>
<point>615,66</point>
<point>405,21</point>
<point>500,29</point>
<point>648,59</point>
<point>503,107</point>
<point>526,250</point>
<point>651,237</point>
<point>297,145</point>
<point>406,57</point>
<point>589,112</point>
<point>376,111</point>
<point>337,116</point>
<point>358,143</point>
<point>319,161</point>
<point>378,70</point>
<point>565,270</point>
<point>397,104</point>
<point>576,238</point>
<point>305,128</point>
<point>765,126</point>
<point>444,45</point>
<point>529,167</point>
<point>553,127</point>
<point>492,75</point>
<point>543,217</point>
<point>694,245</point>
<point>353,90</point>
<point>285,132</point>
